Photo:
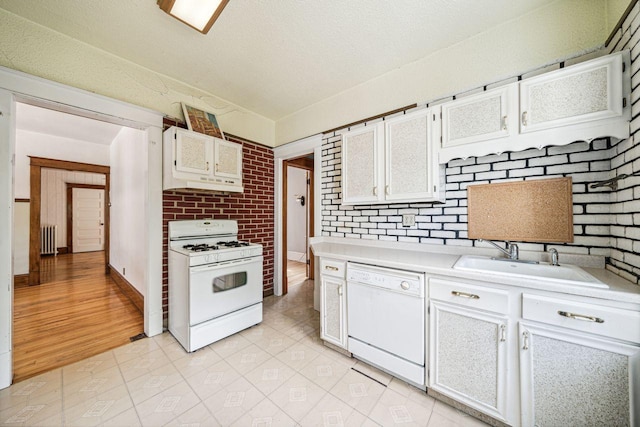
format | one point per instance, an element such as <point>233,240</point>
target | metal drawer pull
<point>464,295</point>
<point>375,191</point>
<point>503,333</point>
<point>330,267</point>
<point>524,118</point>
<point>525,340</point>
<point>504,122</point>
<point>581,317</point>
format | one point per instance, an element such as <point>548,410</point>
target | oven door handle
<point>217,266</point>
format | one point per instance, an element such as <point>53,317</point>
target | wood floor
<point>296,272</point>
<point>77,312</point>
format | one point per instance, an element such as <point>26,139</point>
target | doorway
<point>298,220</point>
<point>39,166</point>
<point>86,228</point>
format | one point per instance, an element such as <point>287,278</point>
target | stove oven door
<point>218,289</point>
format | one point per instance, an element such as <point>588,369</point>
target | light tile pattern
<point>275,374</point>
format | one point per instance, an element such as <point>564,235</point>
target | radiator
<point>48,240</point>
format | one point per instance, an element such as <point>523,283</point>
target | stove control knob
<point>405,286</point>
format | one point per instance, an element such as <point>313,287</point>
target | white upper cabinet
<point>391,161</point>
<point>410,158</point>
<point>362,165</point>
<point>576,94</point>
<point>576,103</point>
<point>200,162</point>
<point>487,115</point>
<point>194,154</point>
<point>228,159</point>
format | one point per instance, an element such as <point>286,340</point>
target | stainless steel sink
<point>566,274</point>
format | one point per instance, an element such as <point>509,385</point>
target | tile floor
<point>275,374</point>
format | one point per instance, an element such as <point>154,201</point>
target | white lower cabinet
<point>333,304</point>
<point>469,357</point>
<point>574,379</point>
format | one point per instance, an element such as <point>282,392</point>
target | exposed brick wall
<point>625,202</point>
<point>605,223</point>
<point>253,209</point>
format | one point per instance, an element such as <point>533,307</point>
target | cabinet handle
<point>503,333</point>
<point>386,190</point>
<point>340,290</point>
<point>464,295</point>
<point>525,340</point>
<point>524,118</point>
<point>330,267</point>
<point>375,191</point>
<point>216,167</point>
<point>504,122</point>
<point>207,166</point>
<point>581,317</point>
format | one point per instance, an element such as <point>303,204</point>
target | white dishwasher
<point>386,319</point>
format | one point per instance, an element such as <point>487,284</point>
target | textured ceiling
<point>275,57</point>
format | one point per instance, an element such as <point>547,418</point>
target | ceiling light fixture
<point>198,14</point>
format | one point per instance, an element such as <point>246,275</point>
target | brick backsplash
<point>606,222</point>
<point>253,209</point>
<point>625,201</point>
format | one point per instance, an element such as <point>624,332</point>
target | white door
<point>88,220</point>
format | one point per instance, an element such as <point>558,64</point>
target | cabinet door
<point>332,311</point>
<point>194,153</point>
<point>362,165</point>
<point>228,159</point>
<point>574,379</point>
<point>580,93</point>
<point>487,115</point>
<point>468,357</point>
<point>409,157</point>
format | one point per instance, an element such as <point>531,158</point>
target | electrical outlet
<point>408,220</point>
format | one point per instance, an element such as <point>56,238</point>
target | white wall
<point>21,238</point>
<point>52,147</point>
<point>129,210</point>
<point>53,208</point>
<point>296,214</point>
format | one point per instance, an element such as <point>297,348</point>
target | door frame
<point>35,185</point>
<point>307,164</point>
<point>16,86</point>
<point>312,144</point>
<point>70,188</point>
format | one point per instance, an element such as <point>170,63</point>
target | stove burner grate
<point>233,244</point>
<point>202,247</point>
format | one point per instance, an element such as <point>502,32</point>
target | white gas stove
<point>215,282</point>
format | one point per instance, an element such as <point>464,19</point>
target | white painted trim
<point>312,144</point>
<point>34,90</point>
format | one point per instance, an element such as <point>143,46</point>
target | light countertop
<point>439,260</point>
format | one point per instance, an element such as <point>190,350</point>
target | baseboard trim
<point>128,289</point>
<point>20,281</point>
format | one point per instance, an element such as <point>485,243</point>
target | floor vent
<point>138,337</point>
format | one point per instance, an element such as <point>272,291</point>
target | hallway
<point>76,313</point>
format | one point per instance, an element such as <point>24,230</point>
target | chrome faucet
<point>511,251</point>
<point>554,256</point>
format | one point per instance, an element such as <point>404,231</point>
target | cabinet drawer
<point>474,296</point>
<point>586,317</point>
<point>332,267</point>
